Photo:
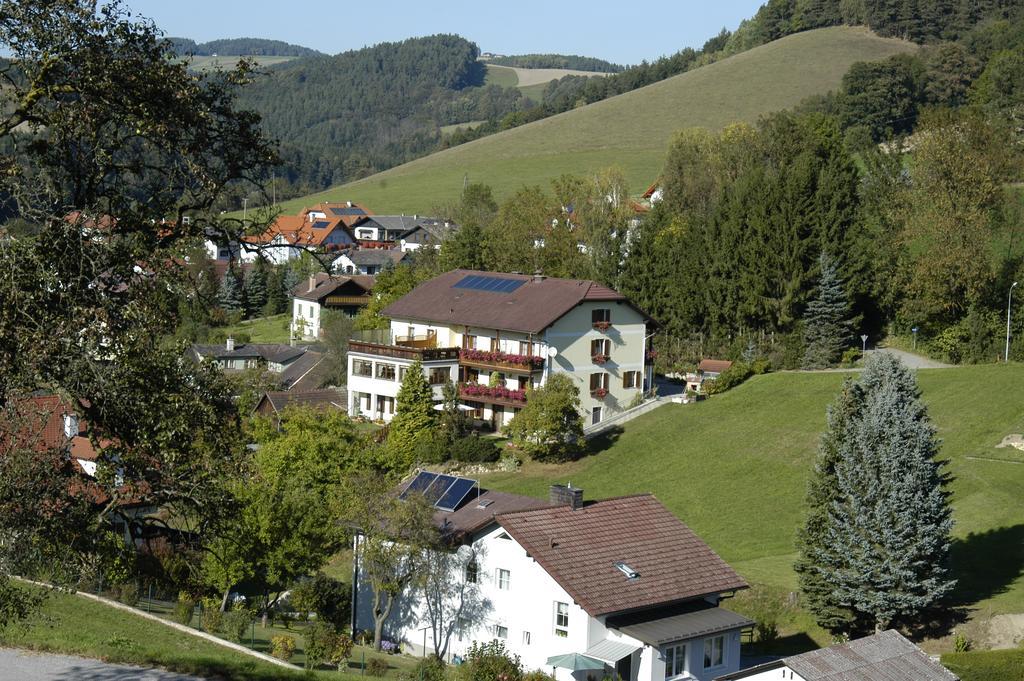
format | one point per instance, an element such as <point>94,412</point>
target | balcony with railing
<point>383,343</point>
<point>475,392</point>
<point>495,360</point>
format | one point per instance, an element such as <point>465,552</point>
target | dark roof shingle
<point>579,549</point>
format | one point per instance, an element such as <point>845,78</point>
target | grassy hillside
<point>735,469</point>
<point>630,131</point>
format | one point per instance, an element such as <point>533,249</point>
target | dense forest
<point>250,47</point>
<point>557,61</point>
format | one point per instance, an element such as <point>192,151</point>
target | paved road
<point>22,665</point>
<point>911,360</point>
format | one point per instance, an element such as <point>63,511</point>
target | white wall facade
<point>523,617</point>
<point>305,319</point>
<point>374,396</point>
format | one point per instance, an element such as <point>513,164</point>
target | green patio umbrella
<point>575,662</point>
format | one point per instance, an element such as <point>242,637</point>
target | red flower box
<point>599,359</point>
<point>497,357</point>
<point>602,326</point>
<point>600,393</point>
<point>497,392</point>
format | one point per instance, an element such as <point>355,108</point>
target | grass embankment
<point>631,131</point>
<point>735,469</point>
<point>987,665</point>
<point>74,625</point>
<point>262,329</point>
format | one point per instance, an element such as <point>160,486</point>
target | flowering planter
<point>599,359</point>
<point>477,391</point>
<point>600,393</point>
<point>602,326</point>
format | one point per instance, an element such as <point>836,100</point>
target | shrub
<point>474,449</point>
<point>282,647</point>
<point>285,618</point>
<point>489,662</point>
<point>850,357</point>
<point>330,599</point>
<point>342,650</point>
<point>430,668</point>
<point>213,618</point>
<point>129,594</point>
<point>376,666</point>
<point>237,623</point>
<point>319,644</point>
<point>766,607</point>
<point>184,608</point>
<point>537,675</point>
<point>961,643</point>
<point>730,378</point>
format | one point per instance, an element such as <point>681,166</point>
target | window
<point>526,638</point>
<point>595,415</point>
<point>401,373</point>
<point>468,341</point>
<point>504,535</point>
<point>472,572</point>
<point>600,346</point>
<point>364,401</point>
<point>386,371</point>
<point>525,348</point>
<point>495,345</point>
<point>561,619</point>
<point>440,376</point>
<point>598,381</point>
<point>385,404</point>
<point>713,648</point>
<point>311,309</point>
<point>524,382</point>
<point>675,660</point>
<point>631,379</point>
<point>601,314</point>
<point>360,367</point>
<point>500,631</point>
<point>504,578</point>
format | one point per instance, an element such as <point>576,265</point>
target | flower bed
<point>497,357</point>
<point>498,392</point>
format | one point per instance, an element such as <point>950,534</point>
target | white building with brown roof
<point>621,582</point>
<point>498,334</point>
<point>345,294</point>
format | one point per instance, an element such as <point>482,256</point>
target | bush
<point>129,594</point>
<point>330,599</point>
<point>490,662</point>
<point>286,618</point>
<point>183,609</point>
<point>730,378</point>
<point>766,607</point>
<point>430,668</point>
<point>850,357</point>
<point>376,666</point>
<point>282,647</point>
<point>342,650</point>
<point>213,618</point>
<point>237,623</point>
<point>961,643</point>
<point>474,449</point>
<point>319,644</point>
<point>537,675</point>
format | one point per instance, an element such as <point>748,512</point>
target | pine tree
<point>256,288</point>
<point>231,291</point>
<point>414,417</point>
<point>826,322</point>
<point>876,542</point>
<point>277,295</point>
<point>290,278</point>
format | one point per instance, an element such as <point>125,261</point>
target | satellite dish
<point>552,351</point>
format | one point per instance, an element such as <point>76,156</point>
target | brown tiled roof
<point>714,365</point>
<point>579,550</point>
<point>653,188</point>
<point>325,284</point>
<point>535,305</point>
<point>298,230</point>
<point>327,399</point>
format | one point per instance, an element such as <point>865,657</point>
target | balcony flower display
<point>602,326</point>
<point>498,392</point>
<point>600,393</point>
<point>599,359</point>
<point>498,357</point>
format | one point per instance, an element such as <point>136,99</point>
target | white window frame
<point>561,610</point>
<point>503,578</point>
<point>677,665</point>
<point>499,631</point>
<point>709,652</point>
<point>526,638</point>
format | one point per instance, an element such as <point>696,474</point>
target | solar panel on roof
<point>438,488</point>
<point>476,282</point>
<point>419,484</point>
<point>320,224</point>
<point>458,491</point>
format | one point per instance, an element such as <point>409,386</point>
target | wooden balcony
<point>486,395</point>
<point>423,354</point>
<point>500,361</point>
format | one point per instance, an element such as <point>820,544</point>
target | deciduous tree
<point>549,427</point>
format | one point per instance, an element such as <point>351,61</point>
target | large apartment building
<point>498,334</point>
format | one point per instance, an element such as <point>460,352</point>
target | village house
<point>368,261</point>
<point>498,334</point>
<point>885,655</point>
<point>383,231</point>
<point>326,226</point>
<point>346,294</point>
<point>292,367</point>
<point>427,233</point>
<point>619,585</point>
<point>273,403</point>
<point>707,370</point>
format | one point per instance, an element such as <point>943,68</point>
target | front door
<point>624,668</point>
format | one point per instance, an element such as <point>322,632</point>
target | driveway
<point>911,360</point>
<point>24,665</point>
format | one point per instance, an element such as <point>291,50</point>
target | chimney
<point>537,276</point>
<point>348,203</point>
<point>70,425</point>
<point>312,282</point>
<point>229,344</point>
<point>566,495</point>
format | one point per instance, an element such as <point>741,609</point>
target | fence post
<point>362,665</point>
<point>149,604</point>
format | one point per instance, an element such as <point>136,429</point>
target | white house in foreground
<point>498,334</point>
<point>883,656</point>
<point>620,581</point>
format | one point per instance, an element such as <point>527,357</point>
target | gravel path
<point>911,360</point>
<point>24,665</point>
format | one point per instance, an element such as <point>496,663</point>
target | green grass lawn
<point>631,131</point>
<point>74,625</point>
<point>263,329</point>
<point>501,75</point>
<point>735,468</point>
<point>987,665</point>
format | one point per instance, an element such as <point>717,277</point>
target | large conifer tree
<point>231,299</point>
<point>827,321</point>
<point>876,542</point>
<point>414,416</point>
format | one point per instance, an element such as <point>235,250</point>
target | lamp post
<point>245,205</point>
<point>1009,299</point>
<point>864,342</point>
<point>914,331</point>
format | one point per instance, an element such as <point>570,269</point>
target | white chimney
<point>312,282</point>
<point>348,203</point>
<point>70,425</point>
<point>229,344</point>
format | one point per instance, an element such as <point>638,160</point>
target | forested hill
<point>556,61</point>
<point>346,116</point>
<point>250,47</point>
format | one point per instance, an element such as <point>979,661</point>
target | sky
<point>620,32</point>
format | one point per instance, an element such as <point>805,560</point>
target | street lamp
<point>914,331</point>
<point>864,342</point>
<point>245,205</point>
<point>1009,299</point>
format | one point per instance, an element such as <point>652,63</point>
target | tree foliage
<point>549,427</point>
<point>826,322</point>
<point>414,417</point>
